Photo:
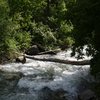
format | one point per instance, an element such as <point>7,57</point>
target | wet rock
<point>60,94</point>
<point>8,81</point>
<point>21,59</point>
<point>48,94</point>
<point>40,47</point>
<point>64,46</point>
<point>87,95</point>
<point>10,75</point>
<point>33,50</point>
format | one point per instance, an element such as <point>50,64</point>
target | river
<point>40,78</point>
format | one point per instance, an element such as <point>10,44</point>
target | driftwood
<point>84,62</point>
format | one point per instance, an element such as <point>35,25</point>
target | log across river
<point>83,62</point>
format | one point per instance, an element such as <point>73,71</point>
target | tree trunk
<point>84,62</point>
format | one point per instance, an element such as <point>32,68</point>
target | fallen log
<point>83,62</point>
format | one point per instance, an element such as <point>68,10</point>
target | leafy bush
<point>23,40</point>
<point>43,35</point>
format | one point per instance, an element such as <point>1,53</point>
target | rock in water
<point>21,59</point>
<point>87,95</point>
<point>8,81</point>
<point>33,50</point>
<point>24,60</point>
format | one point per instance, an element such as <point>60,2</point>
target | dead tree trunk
<point>84,62</point>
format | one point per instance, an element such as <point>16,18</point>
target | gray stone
<point>33,50</point>
<point>87,95</point>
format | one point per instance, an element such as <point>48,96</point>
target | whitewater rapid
<point>40,74</point>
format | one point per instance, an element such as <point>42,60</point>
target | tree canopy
<point>85,18</point>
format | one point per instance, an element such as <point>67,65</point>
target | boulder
<point>64,46</point>
<point>87,95</point>
<point>33,50</point>
<point>41,48</point>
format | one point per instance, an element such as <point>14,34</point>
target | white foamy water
<point>40,74</point>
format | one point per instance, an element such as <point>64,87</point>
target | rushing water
<point>40,74</point>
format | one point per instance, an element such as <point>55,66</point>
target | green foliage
<point>50,23</point>
<point>4,29</point>
<point>43,35</point>
<point>86,21</point>
<point>95,65</point>
<point>9,44</point>
<point>11,48</point>
<point>23,40</point>
<point>27,22</point>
